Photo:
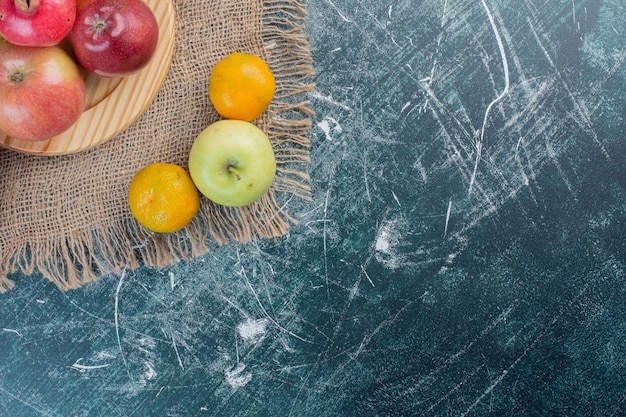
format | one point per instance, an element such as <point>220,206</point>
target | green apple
<point>232,163</point>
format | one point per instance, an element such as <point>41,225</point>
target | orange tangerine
<point>241,86</point>
<point>163,197</point>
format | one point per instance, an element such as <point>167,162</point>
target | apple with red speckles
<point>36,22</point>
<point>42,91</point>
<point>113,38</point>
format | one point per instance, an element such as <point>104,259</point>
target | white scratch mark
<point>84,368</point>
<point>366,171</point>
<point>581,108</point>
<point>445,230</point>
<point>29,405</point>
<point>329,99</point>
<point>395,197</point>
<point>501,318</point>
<point>388,322</point>
<point>324,237</point>
<point>506,371</point>
<point>172,281</point>
<point>505,91</point>
<point>519,143</point>
<point>117,323</point>
<point>263,310</point>
<point>488,391</point>
<point>339,12</point>
<point>237,348</point>
<point>13,331</point>
<point>241,310</point>
<point>367,276</point>
<point>444,17</point>
<point>552,154</point>
<point>382,26</point>
<point>454,357</point>
<point>525,176</point>
<point>454,389</point>
<point>180,362</point>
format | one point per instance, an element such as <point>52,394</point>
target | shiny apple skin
<point>113,38</point>
<point>45,24</point>
<point>49,98</point>
<point>232,163</point>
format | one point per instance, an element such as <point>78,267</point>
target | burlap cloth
<point>68,217</point>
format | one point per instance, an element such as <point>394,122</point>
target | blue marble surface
<point>463,254</point>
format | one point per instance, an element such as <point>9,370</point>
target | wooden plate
<point>111,104</point>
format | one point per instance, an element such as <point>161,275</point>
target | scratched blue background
<point>463,254</point>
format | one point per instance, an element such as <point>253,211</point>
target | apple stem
<point>232,169</point>
<point>27,6</point>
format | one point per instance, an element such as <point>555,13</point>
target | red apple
<point>42,91</point>
<point>36,22</point>
<point>113,38</point>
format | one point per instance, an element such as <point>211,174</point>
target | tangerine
<point>163,198</point>
<point>241,86</point>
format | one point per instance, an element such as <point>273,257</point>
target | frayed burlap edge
<point>72,261</point>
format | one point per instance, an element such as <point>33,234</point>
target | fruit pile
<point>231,162</point>
<point>49,44</point>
